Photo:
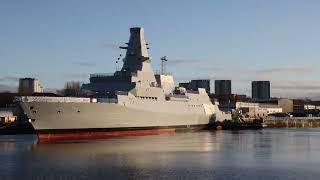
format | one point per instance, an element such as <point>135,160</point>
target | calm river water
<point>258,154</point>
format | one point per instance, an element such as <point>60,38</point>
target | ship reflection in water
<point>260,154</point>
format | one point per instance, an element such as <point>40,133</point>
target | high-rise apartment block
<point>222,87</point>
<point>260,89</point>
<point>29,86</point>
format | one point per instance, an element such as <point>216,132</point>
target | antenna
<point>163,60</point>
<point>117,61</point>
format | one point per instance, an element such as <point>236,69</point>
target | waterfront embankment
<point>292,122</point>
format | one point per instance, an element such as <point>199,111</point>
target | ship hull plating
<point>59,121</point>
<point>52,135</point>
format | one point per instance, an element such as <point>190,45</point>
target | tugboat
<point>238,123</point>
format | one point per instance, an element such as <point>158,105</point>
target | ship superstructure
<point>131,101</point>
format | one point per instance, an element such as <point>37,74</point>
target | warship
<point>132,101</point>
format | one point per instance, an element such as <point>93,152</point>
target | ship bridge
<point>136,69</point>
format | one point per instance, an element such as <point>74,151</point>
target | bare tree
<point>71,89</point>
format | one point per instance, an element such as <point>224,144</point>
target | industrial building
<point>29,86</point>
<point>251,109</point>
<point>6,117</point>
<point>286,104</point>
<point>222,87</point>
<point>260,90</point>
<point>299,107</point>
<point>257,110</point>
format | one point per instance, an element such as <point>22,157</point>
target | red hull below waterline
<point>42,138</point>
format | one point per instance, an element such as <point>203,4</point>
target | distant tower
<point>29,86</point>
<point>200,83</point>
<point>260,89</point>
<point>222,87</point>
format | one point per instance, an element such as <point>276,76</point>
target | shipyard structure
<point>131,101</point>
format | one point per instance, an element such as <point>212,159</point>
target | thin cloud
<point>295,94</point>
<point>7,88</point>
<point>9,79</point>
<point>77,76</point>
<point>85,64</point>
<point>313,96</point>
<point>50,90</point>
<point>110,46</point>
<point>296,87</point>
<point>192,76</point>
<point>288,69</point>
<point>174,62</point>
<point>212,69</point>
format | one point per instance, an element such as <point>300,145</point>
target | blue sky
<point>57,41</point>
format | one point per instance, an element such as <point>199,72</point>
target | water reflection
<point>262,154</point>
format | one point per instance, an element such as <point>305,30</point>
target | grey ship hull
<point>93,120</point>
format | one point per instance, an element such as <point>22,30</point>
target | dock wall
<point>296,122</point>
